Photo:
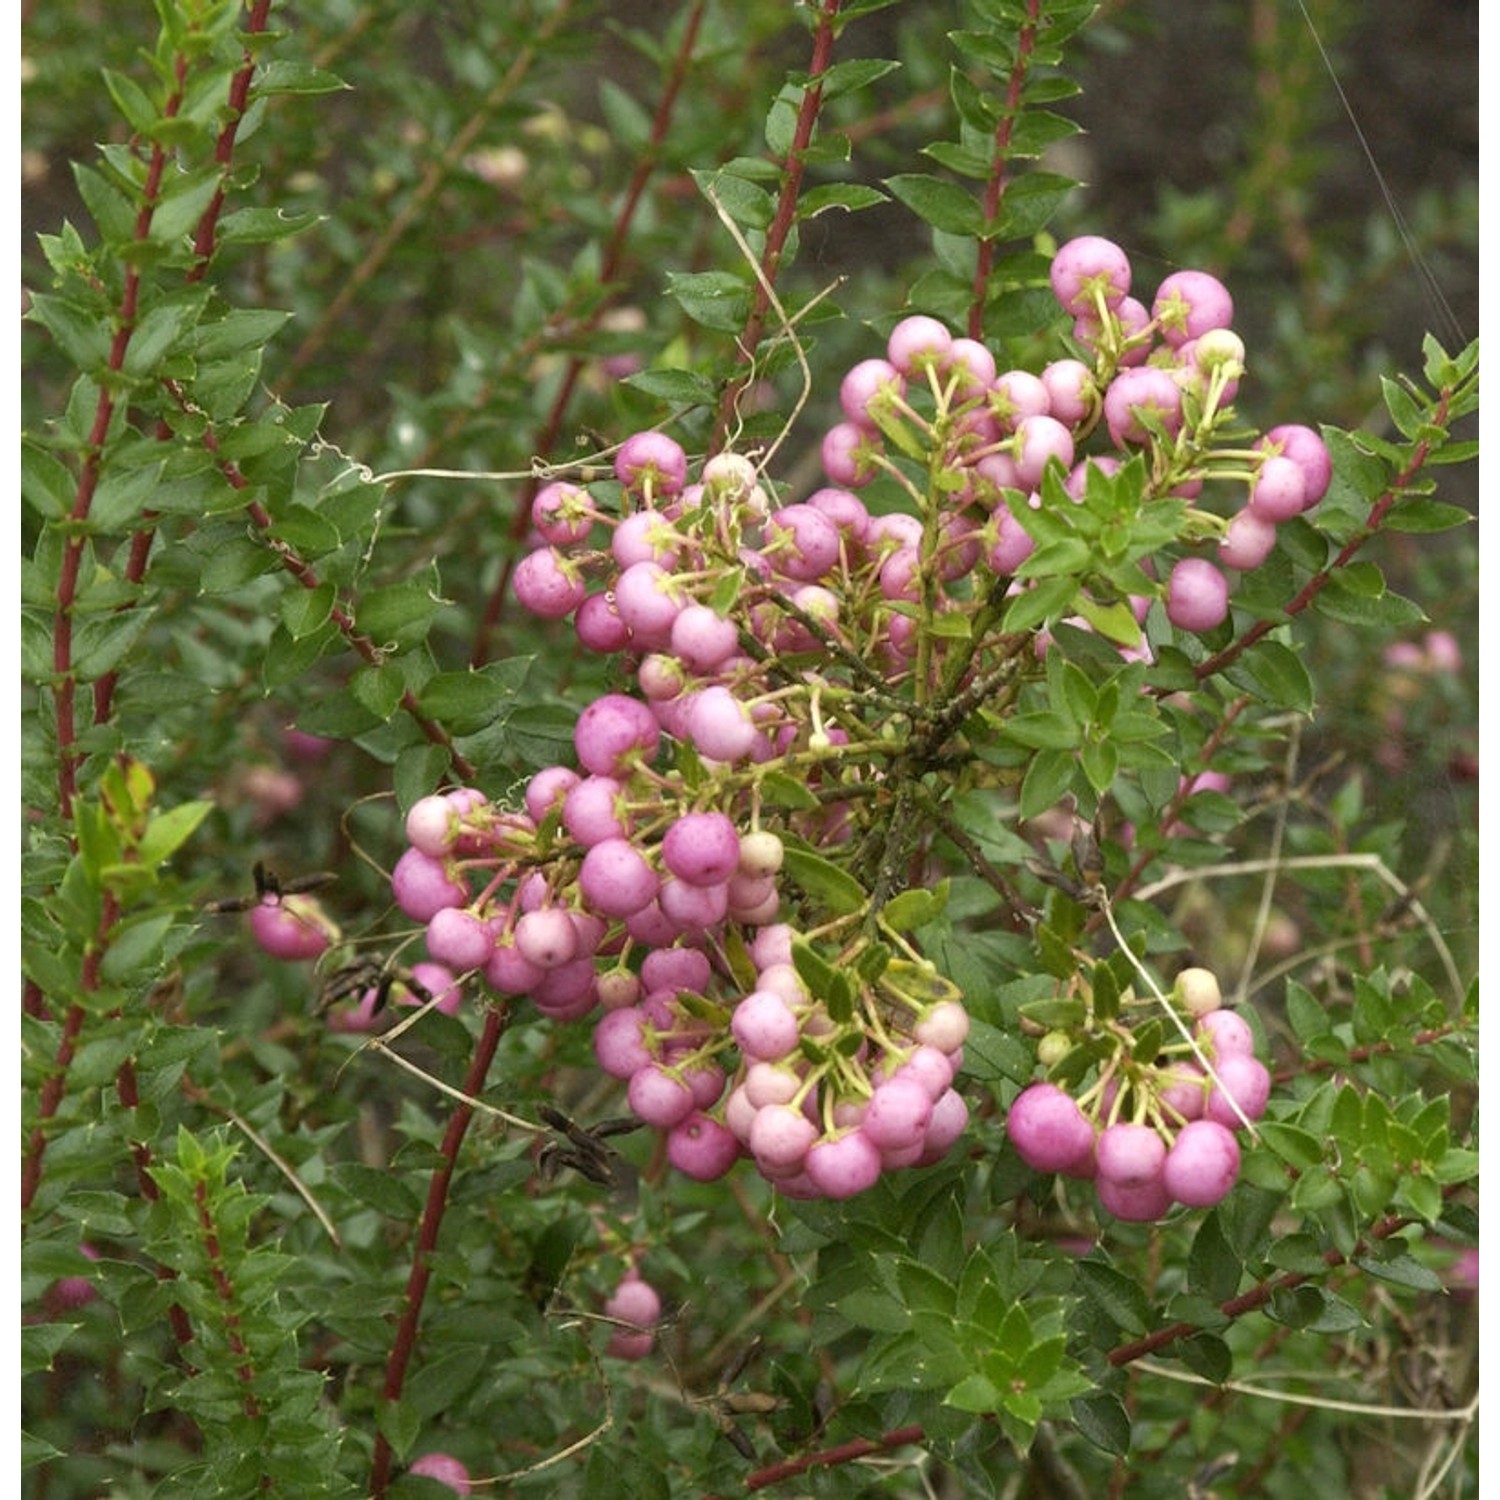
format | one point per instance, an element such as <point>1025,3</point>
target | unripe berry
<point>1197,991</point>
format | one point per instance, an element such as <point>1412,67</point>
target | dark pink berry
<point>701,1148</point>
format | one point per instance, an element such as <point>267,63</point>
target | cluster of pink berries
<point>1164,380</point>
<point>788,672</point>
<point>1154,1133</point>
<point>605,894</point>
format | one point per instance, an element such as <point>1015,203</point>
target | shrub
<point>671,843</point>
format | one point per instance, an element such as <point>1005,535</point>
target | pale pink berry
<point>1088,271</point>
<point>1202,1164</point>
<point>1197,595</point>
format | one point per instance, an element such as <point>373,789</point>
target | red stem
<point>995,188</point>
<point>784,218</point>
<point>404,1345</point>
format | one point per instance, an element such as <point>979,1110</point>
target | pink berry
<point>898,1114</point>
<point>1139,397</point>
<point>1249,541</point>
<point>918,343</point>
<point>1239,1081</point>
<point>1202,1164</point>
<point>1279,490</point>
<point>1189,304</point>
<point>446,1469</point>
<point>612,731</point>
<point>1197,595</point>
<point>1137,1203</point>
<point>764,1026</point>
<point>547,937</point>
<point>1307,450</point>
<point>702,848</point>
<point>292,927</point>
<point>659,1097</point>
<point>547,584</point>
<point>598,624</point>
<point>1129,1155</point>
<point>562,513</point>
<point>850,455</point>
<point>1225,1033</point>
<point>701,1148</point>
<point>719,725</point>
<point>870,383</point>
<point>459,938</point>
<point>843,1166</point>
<point>780,1138</point>
<point>616,880</point>
<point>1048,1129</point>
<point>651,463</point>
<point>1088,271</point>
<point>950,1118</point>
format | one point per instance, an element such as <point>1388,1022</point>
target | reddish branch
<point>405,1342</point>
<point>844,1453</point>
<point>205,241</point>
<point>1256,1297</point>
<point>785,216</point>
<point>995,188</point>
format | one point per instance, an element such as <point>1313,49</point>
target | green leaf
<point>1419,516</point>
<point>1351,599</point>
<point>468,701</point>
<point>48,486</point>
<point>915,908</point>
<point>747,203</point>
<point>849,196</point>
<point>1120,1297</point>
<point>1401,1270</point>
<point>1275,674</point>
<point>974,1393</point>
<point>679,387</point>
<point>716,299</point>
<point>1103,1420</point>
<point>1047,781</point>
<point>41,1342</point>
<point>838,890</point>
<point>83,336</point>
<point>306,610</point>
<point>400,613</point>
<point>1214,1269</point>
<point>942,204</point>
